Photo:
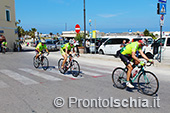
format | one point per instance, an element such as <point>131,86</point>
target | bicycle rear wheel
<point>36,62</point>
<point>75,68</point>
<point>148,83</point>
<point>44,63</point>
<point>119,78</point>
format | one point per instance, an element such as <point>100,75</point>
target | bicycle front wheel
<point>36,62</point>
<point>60,62</point>
<point>148,83</point>
<point>45,63</point>
<point>119,78</point>
<point>75,68</point>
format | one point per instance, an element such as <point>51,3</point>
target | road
<point>24,89</point>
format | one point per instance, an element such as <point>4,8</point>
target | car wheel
<point>101,52</point>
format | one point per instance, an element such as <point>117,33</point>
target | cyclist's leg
<point>64,56</point>
<point>37,54</point>
<point>126,61</point>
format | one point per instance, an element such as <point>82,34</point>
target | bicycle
<point>41,60</point>
<point>148,83</point>
<point>73,65</point>
<point>4,49</point>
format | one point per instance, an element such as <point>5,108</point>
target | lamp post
<point>84,21</point>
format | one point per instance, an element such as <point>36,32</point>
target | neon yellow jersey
<point>132,47</point>
<point>4,43</point>
<point>41,47</point>
<point>68,46</point>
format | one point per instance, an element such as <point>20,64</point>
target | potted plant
<point>80,38</point>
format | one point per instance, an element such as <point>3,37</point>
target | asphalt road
<point>24,89</point>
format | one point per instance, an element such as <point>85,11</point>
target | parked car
<point>51,44</point>
<point>154,48</point>
<point>111,45</point>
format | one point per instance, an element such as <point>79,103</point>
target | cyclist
<point>128,53</point>
<point>66,51</point>
<point>4,45</point>
<point>39,49</point>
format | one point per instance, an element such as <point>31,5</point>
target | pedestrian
<point>87,46</point>
<point>123,44</point>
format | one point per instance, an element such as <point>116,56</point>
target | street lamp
<point>84,21</point>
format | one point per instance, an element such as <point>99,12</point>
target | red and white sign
<point>77,28</point>
<point>162,20</point>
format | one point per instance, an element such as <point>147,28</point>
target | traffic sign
<point>162,20</point>
<point>77,28</point>
<point>163,1</point>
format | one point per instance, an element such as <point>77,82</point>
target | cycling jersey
<point>4,43</point>
<point>132,47</point>
<point>41,47</point>
<point>68,46</point>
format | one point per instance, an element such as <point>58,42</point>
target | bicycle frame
<point>136,76</point>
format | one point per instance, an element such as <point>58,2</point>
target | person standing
<point>87,46</point>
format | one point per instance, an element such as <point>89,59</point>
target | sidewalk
<point>164,63</point>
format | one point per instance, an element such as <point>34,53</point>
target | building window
<point>8,15</point>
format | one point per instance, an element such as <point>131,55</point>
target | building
<point>7,21</point>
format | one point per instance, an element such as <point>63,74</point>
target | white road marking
<point>42,75</point>
<point>16,76</point>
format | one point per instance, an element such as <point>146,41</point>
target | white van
<point>112,45</point>
<point>165,47</point>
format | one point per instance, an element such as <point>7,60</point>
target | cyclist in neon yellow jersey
<point>128,54</point>
<point>66,50</point>
<point>4,45</point>
<point>39,49</point>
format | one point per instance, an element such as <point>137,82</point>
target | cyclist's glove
<point>40,53</point>
<point>142,63</point>
<point>151,61</point>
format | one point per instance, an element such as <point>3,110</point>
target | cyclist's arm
<point>134,57</point>
<point>143,55</point>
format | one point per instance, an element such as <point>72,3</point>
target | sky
<point>106,15</point>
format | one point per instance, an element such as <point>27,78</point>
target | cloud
<point>107,15</point>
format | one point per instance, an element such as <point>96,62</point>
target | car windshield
<point>50,42</point>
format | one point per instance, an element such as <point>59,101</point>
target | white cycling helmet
<point>71,41</point>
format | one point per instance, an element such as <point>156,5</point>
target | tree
<point>79,37</point>
<point>146,32</point>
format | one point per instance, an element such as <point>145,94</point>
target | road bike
<point>43,60</point>
<point>72,64</point>
<point>4,49</point>
<point>147,81</point>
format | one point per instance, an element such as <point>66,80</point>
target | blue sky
<point>106,15</point>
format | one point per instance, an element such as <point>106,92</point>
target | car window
<point>159,41</point>
<point>116,41</point>
<point>49,42</point>
<point>168,42</point>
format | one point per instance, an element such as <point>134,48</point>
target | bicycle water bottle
<point>134,74</point>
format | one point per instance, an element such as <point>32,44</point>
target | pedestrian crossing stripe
<point>16,76</point>
<point>42,75</point>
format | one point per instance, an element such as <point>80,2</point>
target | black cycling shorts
<point>126,59</point>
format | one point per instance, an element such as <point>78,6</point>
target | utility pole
<point>84,21</point>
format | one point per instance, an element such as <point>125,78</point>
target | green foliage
<point>79,37</point>
<point>146,32</point>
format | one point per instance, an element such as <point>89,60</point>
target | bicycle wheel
<point>36,62</point>
<point>60,62</point>
<point>148,83</point>
<point>44,63</point>
<point>119,78</point>
<point>75,68</point>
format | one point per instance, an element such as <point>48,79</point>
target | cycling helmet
<point>43,43</point>
<point>71,41</point>
<point>143,42</point>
